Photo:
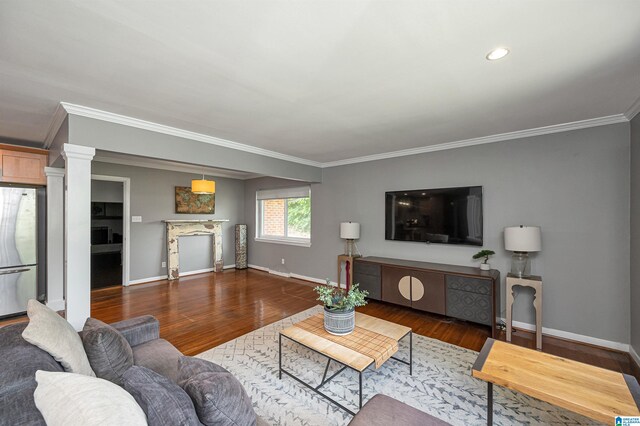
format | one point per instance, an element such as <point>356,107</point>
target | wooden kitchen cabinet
<point>22,165</point>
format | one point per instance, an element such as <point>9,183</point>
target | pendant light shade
<point>202,186</point>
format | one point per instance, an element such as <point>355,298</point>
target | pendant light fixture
<point>202,186</point>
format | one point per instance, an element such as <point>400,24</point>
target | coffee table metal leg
<point>280,355</point>
<point>489,403</point>
<point>411,353</point>
<point>324,376</point>
<point>360,380</point>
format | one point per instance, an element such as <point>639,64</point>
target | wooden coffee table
<point>591,391</point>
<point>372,343</point>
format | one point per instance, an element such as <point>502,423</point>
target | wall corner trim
<point>633,110</point>
<point>58,118</point>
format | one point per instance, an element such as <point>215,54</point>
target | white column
<point>77,231</point>
<point>55,238</point>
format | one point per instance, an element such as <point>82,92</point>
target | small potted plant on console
<point>484,254</point>
<point>339,307</point>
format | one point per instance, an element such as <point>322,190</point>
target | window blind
<point>293,192</point>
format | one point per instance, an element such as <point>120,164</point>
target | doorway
<point>109,231</point>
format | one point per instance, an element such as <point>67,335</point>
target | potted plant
<point>339,307</point>
<point>484,254</point>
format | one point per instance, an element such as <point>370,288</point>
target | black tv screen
<point>445,215</point>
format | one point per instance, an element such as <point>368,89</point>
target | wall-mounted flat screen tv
<point>445,215</point>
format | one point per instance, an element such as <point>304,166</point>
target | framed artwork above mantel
<point>189,203</point>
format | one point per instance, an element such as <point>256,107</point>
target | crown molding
<point>53,172</point>
<point>79,152</point>
<point>65,108</point>
<point>556,128</point>
<point>633,110</point>
<point>173,131</point>
<point>150,163</point>
<point>56,122</point>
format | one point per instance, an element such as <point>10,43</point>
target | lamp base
<point>520,264</point>
<point>349,248</point>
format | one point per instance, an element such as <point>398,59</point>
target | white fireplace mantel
<point>187,227</point>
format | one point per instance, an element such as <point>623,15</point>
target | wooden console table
<point>536,283</point>
<point>348,266</point>
<point>591,391</point>
<point>455,291</point>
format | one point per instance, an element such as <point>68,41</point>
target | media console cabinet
<point>455,291</point>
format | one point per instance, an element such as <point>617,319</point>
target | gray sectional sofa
<point>19,361</point>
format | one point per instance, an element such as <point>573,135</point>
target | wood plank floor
<point>202,311</point>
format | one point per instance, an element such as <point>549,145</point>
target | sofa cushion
<point>189,366</point>
<point>108,351</point>
<point>138,330</point>
<point>68,399</point>
<point>218,396</point>
<point>384,410</point>
<point>17,406</point>
<point>164,402</point>
<point>52,333</point>
<point>19,360</point>
<point>160,356</point>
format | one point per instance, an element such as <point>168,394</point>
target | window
<point>284,215</point>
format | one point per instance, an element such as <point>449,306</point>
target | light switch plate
<point>136,218</point>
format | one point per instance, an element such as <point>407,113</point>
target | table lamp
<point>350,231</point>
<point>522,240</point>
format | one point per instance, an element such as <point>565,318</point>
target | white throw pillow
<point>53,334</point>
<point>67,399</point>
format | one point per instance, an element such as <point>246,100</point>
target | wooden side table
<point>536,283</point>
<point>348,260</point>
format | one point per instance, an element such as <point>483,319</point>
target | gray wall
<point>635,233</point>
<point>106,191</point>
<point>124,139</point>
<point>575,185</point>
<point>152,197</point>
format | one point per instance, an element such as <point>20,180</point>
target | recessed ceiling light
<point>497,53</point>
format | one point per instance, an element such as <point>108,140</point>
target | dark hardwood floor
<point>202,311</point>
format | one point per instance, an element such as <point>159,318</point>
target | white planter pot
<point>339,323</point>
<point>485,266</point>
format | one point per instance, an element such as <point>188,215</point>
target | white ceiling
<point>320,80</point>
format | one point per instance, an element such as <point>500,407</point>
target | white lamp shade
<point>522,238</point>
<point>350,230</point>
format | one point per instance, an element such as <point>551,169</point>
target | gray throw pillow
<point>219,398</point>
<point>109,353</point>
<point>189,366</point>
<point>164,402</point>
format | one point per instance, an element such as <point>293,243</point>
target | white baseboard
<point>259,268</point>
<point>182,274</point>
<point>147,280</point>
<point>624,347</point>
<point>57,305</point>
<point>634,355</point>
<point>195,272</point>
<point>315,280</point>
<point>292,275</point>
<point>280,274</point>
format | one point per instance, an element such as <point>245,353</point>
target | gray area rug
<point>441,384</point>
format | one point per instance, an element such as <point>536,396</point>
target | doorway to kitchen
<point>109,231</point>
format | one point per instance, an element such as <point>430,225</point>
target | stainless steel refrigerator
<point>19,226</point>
